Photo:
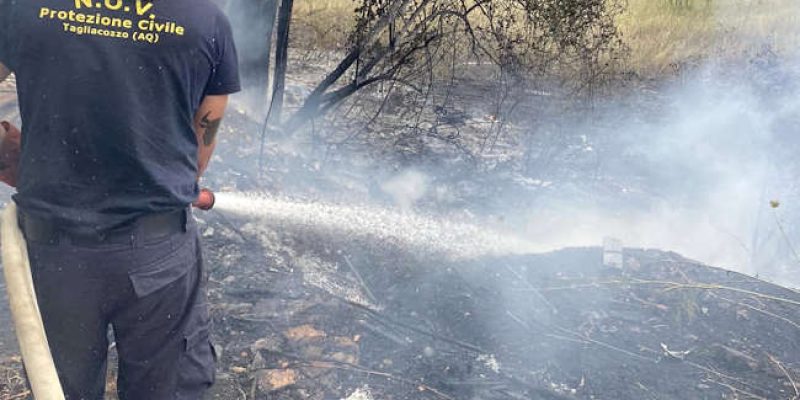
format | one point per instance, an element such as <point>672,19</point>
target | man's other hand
<point>10,138</point>
<point>4,72</point>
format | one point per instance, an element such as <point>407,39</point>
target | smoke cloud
<point>690,168</point>
<point>406,188</point>
<point>698,178</point>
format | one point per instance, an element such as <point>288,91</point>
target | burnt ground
<point>549,326</point>
<point>301,315</point>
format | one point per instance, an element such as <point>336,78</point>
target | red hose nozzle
<point>205,201</point>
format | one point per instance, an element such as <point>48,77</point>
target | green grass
<point>662,37</point>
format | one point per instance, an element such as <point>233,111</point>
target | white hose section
<point>25,310</point>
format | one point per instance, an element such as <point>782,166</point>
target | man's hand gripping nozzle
<point>205,201</point>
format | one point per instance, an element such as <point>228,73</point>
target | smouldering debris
<point>490,361</point>
<point>323,276</point>
<point>362,393</point>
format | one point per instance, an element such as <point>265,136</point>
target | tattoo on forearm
<point>211,127</point>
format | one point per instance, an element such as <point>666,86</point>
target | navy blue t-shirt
<point>108,90</point>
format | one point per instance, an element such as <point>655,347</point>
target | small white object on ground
<point>612,253</point>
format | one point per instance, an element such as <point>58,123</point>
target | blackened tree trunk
<point>253,23</point>
<point>281,61</point>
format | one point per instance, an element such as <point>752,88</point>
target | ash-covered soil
<point>551,326</point>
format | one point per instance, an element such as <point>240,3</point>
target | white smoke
<point>407,188</point>
<point>711,162</point>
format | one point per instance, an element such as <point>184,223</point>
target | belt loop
<point>186,215</point>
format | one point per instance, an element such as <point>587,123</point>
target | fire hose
<point>25,311</point>
<point>31,335</point>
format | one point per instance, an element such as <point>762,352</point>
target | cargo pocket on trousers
<point>151,277</point>
<point>197,366</point>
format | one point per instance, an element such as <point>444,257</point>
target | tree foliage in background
<point>417,42</point>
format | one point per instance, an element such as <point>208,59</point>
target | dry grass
<point>324,23</point>
<point>661,37</point>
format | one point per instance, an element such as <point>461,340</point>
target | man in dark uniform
<point>120,104</point>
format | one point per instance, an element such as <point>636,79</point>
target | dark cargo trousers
<point>150,290</point>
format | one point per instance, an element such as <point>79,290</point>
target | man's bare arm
<point>206,126</point>
<point>4,72</point>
